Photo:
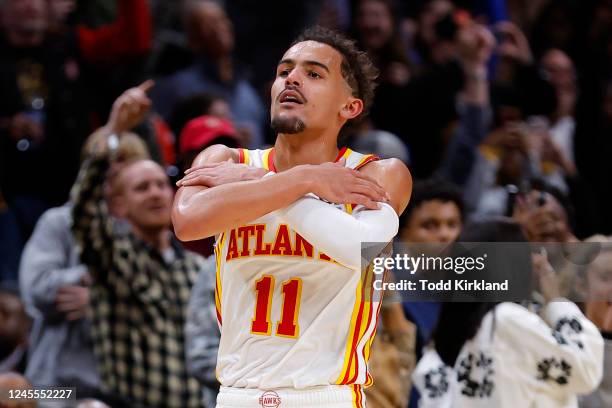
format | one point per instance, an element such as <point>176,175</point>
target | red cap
<point>199,132</point>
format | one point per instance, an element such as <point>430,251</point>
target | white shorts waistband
<point>331,396</point>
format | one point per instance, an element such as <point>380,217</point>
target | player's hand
<point>73,301</point>
<point>130,108</point>
<point>339,184</point>
<point>216,174</point>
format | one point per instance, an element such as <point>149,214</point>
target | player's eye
<point>283,73</point>
<point>314,74</point>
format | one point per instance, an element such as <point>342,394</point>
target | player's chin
<point>287,123</point>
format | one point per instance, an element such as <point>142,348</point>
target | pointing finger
<point>146,85</point>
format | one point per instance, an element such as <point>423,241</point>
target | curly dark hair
<point>357,68</point>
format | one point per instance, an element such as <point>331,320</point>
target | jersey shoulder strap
<point>264,159</point>
<point>356,160</point>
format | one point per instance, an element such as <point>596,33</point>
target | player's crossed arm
<point>218,194</point>
<point>339,234</point>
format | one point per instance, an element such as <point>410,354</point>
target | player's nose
<point>293,78</point>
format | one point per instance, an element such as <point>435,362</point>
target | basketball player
<point>296,324</point>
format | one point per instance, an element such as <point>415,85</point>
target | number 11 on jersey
<point>288,325</point>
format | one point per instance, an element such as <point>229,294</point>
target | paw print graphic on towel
<point>566,330</point>
<point>436,382</point>
<point>551,369</point>
<point>475,374</point>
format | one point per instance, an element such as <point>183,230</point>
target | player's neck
<point>294,150</point>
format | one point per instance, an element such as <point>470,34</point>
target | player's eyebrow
<point>309,62</point>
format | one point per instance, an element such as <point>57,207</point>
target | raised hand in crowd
<point>513,43</point>
<point>130,108</point>
<point>548,282</point>
<point>476,44</point>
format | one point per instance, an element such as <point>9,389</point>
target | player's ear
<point>352,108</point>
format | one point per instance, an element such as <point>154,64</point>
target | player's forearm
<point>338,234</point>
<point>199,212</point>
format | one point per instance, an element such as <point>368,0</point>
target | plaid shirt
<point>138,303</point>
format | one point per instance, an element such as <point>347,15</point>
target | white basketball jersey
<point>289,315</point>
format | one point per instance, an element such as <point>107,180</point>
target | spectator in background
<point>46,104</point>
<point>503,355</point>
<point>14,327</point>
<point>392,358</point>
<point>142,278</point>
<point>435,213</point>
<point>197,135</point>
<point>375,26</point>
<point>559,70</point>
<point>507,160</point>
<point>194,106</point>
<point>202,333</point>
<point>434,216</point>
<point>545,214</point>
<point>452,55</point>
<point>211,39</point>
<point>202,132</point>
<point>55,288</point>
<point>476,45</point>
<point>595,281</point>
<point>519,88</point>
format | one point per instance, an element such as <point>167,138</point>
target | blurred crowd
<point>502,110</point>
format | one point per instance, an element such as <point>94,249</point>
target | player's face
<point>146,197</point>
<point>309,91</point>
<point>433,221</point>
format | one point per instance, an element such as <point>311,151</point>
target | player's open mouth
<point>291,97</point>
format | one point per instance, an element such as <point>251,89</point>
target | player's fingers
<point>368,191</point>
<point>197,181</point>
<point>361,199</point>
<point>200,173</point>
<point>360,175</point>
<point>202,166</point>
<point>373,185</point>
<point>376,188</point>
